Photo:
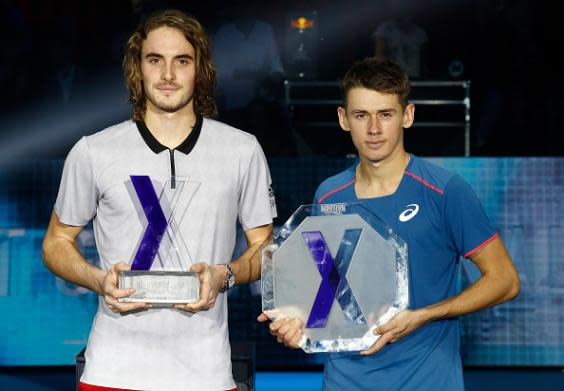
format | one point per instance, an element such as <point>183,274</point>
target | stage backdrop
<point>46,321</point>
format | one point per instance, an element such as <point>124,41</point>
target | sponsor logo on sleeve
<point>271,196</point>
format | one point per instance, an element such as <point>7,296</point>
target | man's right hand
<point>111,293</point>
<point>287,331</point>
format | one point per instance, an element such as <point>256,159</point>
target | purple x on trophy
<point>316,270</point>
<point>159,269</point>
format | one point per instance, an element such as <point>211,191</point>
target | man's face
<point>375,121</point>
<point>169,70</point>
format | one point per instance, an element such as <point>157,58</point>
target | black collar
<point>186,146</point>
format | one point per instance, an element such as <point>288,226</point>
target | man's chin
<point>373,157</point>
<point>169,107</point>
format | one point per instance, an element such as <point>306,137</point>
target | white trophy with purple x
<point>340,270</point>
<point>161,263</point>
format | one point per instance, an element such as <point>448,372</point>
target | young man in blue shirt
<point>440,218</point>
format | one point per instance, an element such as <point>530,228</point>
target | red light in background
<point>302,23</point>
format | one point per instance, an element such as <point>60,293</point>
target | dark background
<point>509,51</point>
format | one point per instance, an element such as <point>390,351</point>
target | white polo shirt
<point>164,349</point>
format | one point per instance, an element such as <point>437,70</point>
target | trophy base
<point>163,288</point>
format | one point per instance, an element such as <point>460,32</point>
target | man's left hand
<point>399,326</point>
<point>212,279</point>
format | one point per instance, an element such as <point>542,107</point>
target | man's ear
<point>343,120</point>
<point>408,116</point>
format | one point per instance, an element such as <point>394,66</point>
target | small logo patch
<point>333,209</point>
<point>409,213</point>
<point>271,196</point>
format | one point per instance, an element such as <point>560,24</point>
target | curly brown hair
<point>204,103</point>
<point>382,75</point>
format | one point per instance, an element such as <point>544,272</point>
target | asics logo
<point>409,213</point>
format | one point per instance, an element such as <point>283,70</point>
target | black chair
<point>242,363</point>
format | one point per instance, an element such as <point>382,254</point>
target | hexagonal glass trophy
<point>340,270</point>
<point>159,269</point>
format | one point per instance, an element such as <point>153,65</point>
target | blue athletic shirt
<point>439,216</point>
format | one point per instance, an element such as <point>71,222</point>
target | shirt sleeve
<point>77,199</point>
<point>273,54</point>
<point>257,205</point>
<point>381,32</point>
<point>422,37</point>
<point>467,223</point>
<point>219,49</point>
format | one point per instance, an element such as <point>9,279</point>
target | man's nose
<point>168,72</point>
<point>374,126</point>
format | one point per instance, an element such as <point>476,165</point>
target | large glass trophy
<point>340,270</point>
<point>159,269</point>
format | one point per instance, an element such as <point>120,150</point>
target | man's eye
<point>360,116</point>
<point>154,60</point>
<point>385,115</point>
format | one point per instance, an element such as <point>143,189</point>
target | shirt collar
<point>185,147</point>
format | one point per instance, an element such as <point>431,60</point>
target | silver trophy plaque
<point>159,268</point>
<point>340,270</point>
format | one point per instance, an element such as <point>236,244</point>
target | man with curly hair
<point>170,79</point>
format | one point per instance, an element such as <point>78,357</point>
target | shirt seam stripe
<point>480,246</point>
<point>335,190</point>
<point>424,182</point>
